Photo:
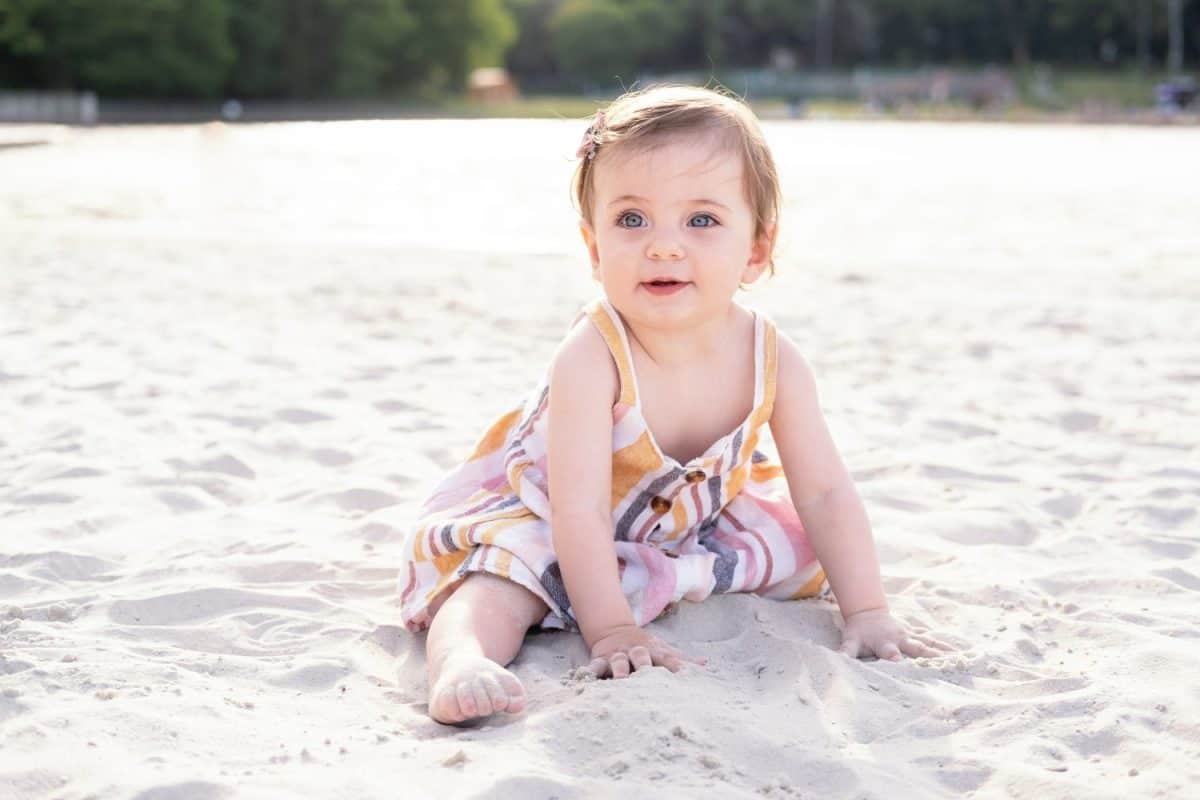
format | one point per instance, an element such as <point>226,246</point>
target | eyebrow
<point>706,200</point>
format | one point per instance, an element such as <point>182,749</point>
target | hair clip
<point>587,148</point>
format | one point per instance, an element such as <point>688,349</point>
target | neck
<point>671,348</point>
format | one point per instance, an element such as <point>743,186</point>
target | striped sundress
<point>723,522</point>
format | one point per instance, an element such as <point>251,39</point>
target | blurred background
<point>191,60</point>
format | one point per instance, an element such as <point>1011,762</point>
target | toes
<point>514,691</point>
<point>496,692</point>
<point>483,698</point>
<point>444,706</point>
<point>466,698</point>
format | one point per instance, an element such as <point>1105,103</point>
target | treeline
<point>372,48</point>
<point>250,48</point>
<point>606,37</point>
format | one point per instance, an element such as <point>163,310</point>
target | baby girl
<point>631,477</point>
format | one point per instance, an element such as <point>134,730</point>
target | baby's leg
<point>477,630</point>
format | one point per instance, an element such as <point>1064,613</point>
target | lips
<point>664,286</point>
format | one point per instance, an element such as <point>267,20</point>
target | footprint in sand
<point>944,472</point>
<point>224,464</point>
<point>366,500</point>
<point>1064,507</point>
<point>44,499</point>
<point>301,416</point>
<point>1077,421</point>
<point>1180,577</point>
<point>328,457</point>
<point>1167,548</point>
<point>963,429</point>
<point>183,501</point>
<point>394,406</point>
<point>980,527</point>
<point>1164,517</point>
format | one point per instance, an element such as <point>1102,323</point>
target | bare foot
<point>471,686</point>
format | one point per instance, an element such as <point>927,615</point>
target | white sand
<point>233,361</point>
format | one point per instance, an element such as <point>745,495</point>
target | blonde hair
<point>641,120</point>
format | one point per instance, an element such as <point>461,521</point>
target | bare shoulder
<point>584,364</point>
<point>794,377</point>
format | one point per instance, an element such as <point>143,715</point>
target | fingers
<point>621,663</point>
<point>889,651</point>
<point>929,641</point>
<point>639,658</point>
<point>914,648</point>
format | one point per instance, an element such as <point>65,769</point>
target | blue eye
<point>626,215</point>
<point>712,221</point>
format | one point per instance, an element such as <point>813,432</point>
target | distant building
<point>492,85</point>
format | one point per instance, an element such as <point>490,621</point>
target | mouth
<point>663,286</point>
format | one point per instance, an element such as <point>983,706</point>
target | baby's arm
<point>583,385</point>
<point>833,515</point>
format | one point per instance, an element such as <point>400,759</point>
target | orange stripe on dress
<point>812,588</point>
<point>448,563</point>
<point>612,337</point>
<point>770,364</point>
<point>765,471</point>
<point>503,562</point>
<point>418,550</point>
<point>446,579</point>
<point>493,439</point>
<point>737,479</point>
<point>679,517</point>
<point>504,523</point>
<point>630,465</point>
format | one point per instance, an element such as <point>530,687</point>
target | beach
<point>234,360</point>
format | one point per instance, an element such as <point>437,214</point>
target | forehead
<point>672,168</point>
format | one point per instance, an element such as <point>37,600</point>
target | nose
<point>660,249</point>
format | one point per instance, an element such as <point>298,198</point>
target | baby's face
<point>672,233</point>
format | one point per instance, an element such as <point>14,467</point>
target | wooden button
<point>695,476</point>
<point>661,505</point>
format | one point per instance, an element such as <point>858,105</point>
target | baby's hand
<point>876,632</point>
<point>628,646</point>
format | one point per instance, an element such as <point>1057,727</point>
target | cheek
<point>616,247</point>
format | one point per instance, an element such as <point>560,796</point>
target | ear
<point>760,255</point>
<point>589,240</point>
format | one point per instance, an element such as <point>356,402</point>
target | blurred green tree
<point>605,39</point>
<point>122,47</point>
<point>314,48</point>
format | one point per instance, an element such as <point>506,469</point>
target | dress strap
<point>767,357</point>
<point>609,324</point>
